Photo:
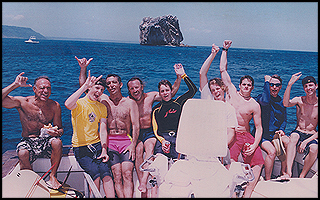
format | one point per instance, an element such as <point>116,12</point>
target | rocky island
<point>163,30</point>
<point>19,32</point>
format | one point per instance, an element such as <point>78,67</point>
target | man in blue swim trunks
<point>307,122</point>
<point>147,139</point>
<point>274,120</point>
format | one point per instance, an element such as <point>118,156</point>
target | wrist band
<point>224,49</point>
<point>184,75</point>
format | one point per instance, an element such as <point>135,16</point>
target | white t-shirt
<point>231,111</point>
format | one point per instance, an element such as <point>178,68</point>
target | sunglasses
<point>275,84</point>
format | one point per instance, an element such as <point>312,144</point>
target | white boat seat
<point>202,136</point>
<point>202,131</point>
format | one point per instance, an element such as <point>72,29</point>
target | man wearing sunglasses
<point>274,120</point>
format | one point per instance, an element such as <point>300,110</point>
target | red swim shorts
<point>236,148</point>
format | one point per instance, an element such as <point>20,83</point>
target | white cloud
<point>199,31</point>
<point>15,17</point>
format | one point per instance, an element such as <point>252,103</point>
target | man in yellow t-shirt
<point>90,144</point>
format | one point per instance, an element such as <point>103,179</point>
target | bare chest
<point>31,112</point>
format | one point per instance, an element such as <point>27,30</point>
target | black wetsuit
<point>166,116</point>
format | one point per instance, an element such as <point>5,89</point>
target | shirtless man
<point>124,116</point>
<point>215,89</point>
<point>307,122</point>
<point>35,112</point>
<point>147,139</point>
<point>246,109</point>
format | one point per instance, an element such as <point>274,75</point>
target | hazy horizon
<point>277,26</point>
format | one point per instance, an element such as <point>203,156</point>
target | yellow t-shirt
<point>85,121</point>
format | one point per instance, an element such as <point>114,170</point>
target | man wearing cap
<point>307,121</point>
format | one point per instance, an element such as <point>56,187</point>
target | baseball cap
<point>308,79</point>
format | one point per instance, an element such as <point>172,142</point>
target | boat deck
<point>10,159</point>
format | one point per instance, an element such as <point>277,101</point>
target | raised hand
<point>178,68</point>
<point>215,49</point>
<point>294,78</point>
<point>227,44</point>
<point>22,81</point>
<point>83,62</point>
<point>91,80</point>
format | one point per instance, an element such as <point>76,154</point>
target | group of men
<point>112,132</point>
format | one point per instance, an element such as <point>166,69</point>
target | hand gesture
<point>267,78</point>
<point>178,68</point>
<point>215,49</point>
<point>91,80</point>
<point>294,78</point>
<point>302,146</point>
<point>103,155</point>
<point>54,131</point>
<point>83,62</point>
<point>250,150</point>
<point>22,81</point>
<point>165,146</point>
<point>227,44</point>
<point>281,133</point>
<point>132,151</point>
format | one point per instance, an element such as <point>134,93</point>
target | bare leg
<point>291,152</point>
<point>97,183</point>
<point>55,160</point>
<point>117,176</point>
<point>23,155</point>
<point>256,172</point>
<point>127,170</point>
<point>269,160</point>
<point>148,146</point>
<point>309,160</point>
<point>139,161</point>
<point>285,140</point>
<point>108,187</point>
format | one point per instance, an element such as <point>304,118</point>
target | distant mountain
<point>19,32</point>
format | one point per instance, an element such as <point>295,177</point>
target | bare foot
<point>142,188</point>
<point>53,183</point>
<point>285,176</point>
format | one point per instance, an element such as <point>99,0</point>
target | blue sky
<point>283,26</point>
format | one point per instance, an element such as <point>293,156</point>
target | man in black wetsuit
<point>166,114</point>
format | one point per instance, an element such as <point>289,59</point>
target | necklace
<point>311,103</point>
<point>246,98</point>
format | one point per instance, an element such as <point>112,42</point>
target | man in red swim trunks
<point>246,109</point>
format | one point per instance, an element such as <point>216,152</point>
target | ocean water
<point>55,58</point>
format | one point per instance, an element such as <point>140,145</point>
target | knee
<point>313,149</point>
<point>23,154</point>
<point>56,144</point>
<point>285,140</point>
<point>294,138</point>
<point>272,152</point>
<point>127,175</point>
<point>117,176</point>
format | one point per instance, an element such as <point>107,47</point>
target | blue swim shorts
<point>146,134</point>
<point>87,159</point>
<point>172,139</point>
<point>304,136</point>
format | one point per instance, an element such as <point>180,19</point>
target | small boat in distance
<point>31,40</point>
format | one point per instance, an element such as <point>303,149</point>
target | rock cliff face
<point>160,31</point>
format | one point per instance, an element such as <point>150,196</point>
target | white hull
<point>31,40</point>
